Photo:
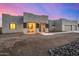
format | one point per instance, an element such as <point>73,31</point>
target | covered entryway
<point>31,27</point>
<point>42,27</point>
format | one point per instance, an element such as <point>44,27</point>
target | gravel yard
<point>71,49</point>
<point>34,44</point>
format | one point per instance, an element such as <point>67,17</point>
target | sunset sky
<point>53,10</point>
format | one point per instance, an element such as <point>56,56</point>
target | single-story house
<point>31,23</point>
<point>28,23</point>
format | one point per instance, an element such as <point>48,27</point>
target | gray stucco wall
<point>51,22</point>
<point>56,23</point>
<point>28,17</point>
<point>7,19</point>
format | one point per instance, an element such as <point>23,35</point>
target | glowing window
<point>12,26</point>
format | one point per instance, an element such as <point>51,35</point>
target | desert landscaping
<point>33,44</point>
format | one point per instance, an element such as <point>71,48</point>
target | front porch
<point>33,27</point>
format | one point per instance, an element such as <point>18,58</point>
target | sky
<point>53,10</point>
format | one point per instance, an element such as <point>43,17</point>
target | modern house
<point>31,23</point>
<point>28,23</point>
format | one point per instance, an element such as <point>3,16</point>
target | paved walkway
<point>59,33</point>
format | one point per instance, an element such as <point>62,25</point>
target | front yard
<point>33,45</point>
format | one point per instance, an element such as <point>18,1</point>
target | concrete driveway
<point>59,33</point>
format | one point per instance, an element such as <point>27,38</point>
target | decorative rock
<point>71,49</point>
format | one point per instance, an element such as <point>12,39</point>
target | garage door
<point>74,28</point>
<point>67,28</point>
<point>70,27</point>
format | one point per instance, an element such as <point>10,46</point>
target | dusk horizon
<point>69,11</point>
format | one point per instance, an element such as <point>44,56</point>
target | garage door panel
<point>74,28</point>
<point>67,28</point>
<point>70,27</point>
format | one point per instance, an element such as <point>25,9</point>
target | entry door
<point>31,27</point>
<point>42,28</point>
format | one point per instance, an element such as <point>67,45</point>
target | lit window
<point>12,26</point>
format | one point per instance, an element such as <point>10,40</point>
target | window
<point>78,25</point>
<point>24,25</point>
<point>31,27</point>
<point>47,25</point>
<point>53,25</point>
<point>12,26</point>
<point>37,25</point>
